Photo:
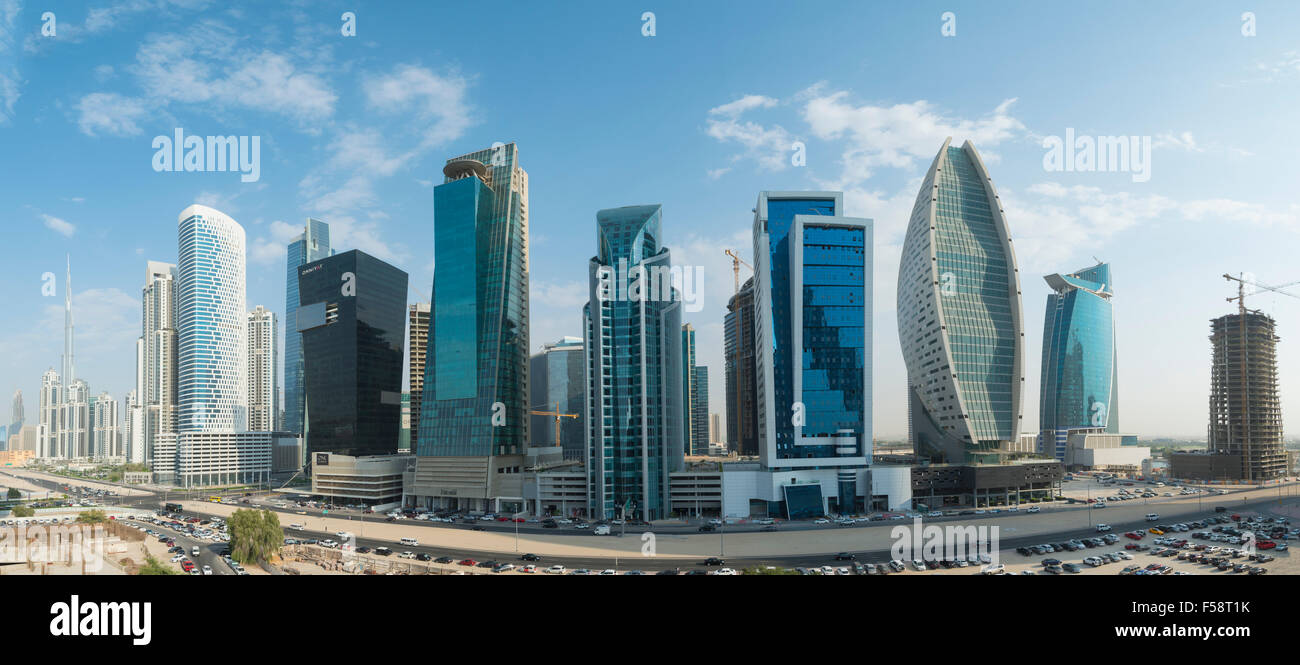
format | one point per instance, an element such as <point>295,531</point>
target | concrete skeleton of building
<point>1245,412</point>
<point>417,348</point>
<point>742,391</point>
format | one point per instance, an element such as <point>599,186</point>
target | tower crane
<point>1241,323</point>
<point>555,411</point>
<point>736,262</point>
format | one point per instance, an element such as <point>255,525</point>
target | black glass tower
<point>352,317</point>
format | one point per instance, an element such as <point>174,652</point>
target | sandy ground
<point>826,539</point>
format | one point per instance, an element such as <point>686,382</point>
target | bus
<point>214,499</point>
<point>173,507</point>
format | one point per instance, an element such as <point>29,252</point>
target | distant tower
<point>69,368</point>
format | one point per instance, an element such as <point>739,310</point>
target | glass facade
<point>478,324</point>
<point>636,405</point>
<point>557,379</point>
<point>212,322</point>
<point>353,326</point>
<point>312,245</point>
<point>813,359</point>
<point>959,314</point>
<point>1079,386</point>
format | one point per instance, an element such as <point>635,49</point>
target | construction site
<point>1245,413</point>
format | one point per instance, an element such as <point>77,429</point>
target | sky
<point>698,114</point>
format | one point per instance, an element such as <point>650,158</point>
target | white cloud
<point>768,146</point>
<point>110,113</point>
<point>900,136</point>
<point>438,101</point>
<point>59,226</point>
<point>1183,141</point>
<point>570,295</point>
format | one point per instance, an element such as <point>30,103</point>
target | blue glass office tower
<point>474,420</point>
<point>313,244</point>
<point>352,319</point>
<point>633,337</point>
<point>1080,385</point>
<point>812,331</point>
<point>959,317</point>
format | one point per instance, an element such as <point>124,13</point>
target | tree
<point>153,566</point>
<point>91,517</point>
<point>254,535</point>
<point>15,494</point>
<point>23,511</point>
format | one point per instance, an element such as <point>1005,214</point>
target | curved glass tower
<point>632,331</point>
<point>211,322</point>
<point>959,318</point>
<point>1080,385</point>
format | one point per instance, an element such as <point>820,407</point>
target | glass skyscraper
<point>353,324</point>
<point>633,334</point>
<point>812,331</point>
<point>473,423</point>
<point>558,379</point>
<point>1080,383</point>
<point>313,244</point>
<point>959,316</point>
<point>212,323</point>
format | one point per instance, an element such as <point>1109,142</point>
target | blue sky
<point>698,117</point>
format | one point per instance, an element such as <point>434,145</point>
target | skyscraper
<point>1080,386</point>
<point>48,418</point>
<point>313,244</point>
<point>212,321</point>
<point>352,319</point>
<point>106,432</point>
<point>474,408</point>
<point>133,429</point>
<point>74,421</point>
<point>557,380</point>
<point>812,326</point>
<point>699,408</point>
<point>263,393</point>
<point>418,347</point>
<point>1245,413</point>
<point>633,338</point>
<point>17,418</point>
<point>959,316</point>
<point>69,365</point>
<point>689,390</point>
<point>738,368</point>
<point>156,360</point>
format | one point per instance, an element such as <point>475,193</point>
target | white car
<point>821,520</point>
<point>178,558</point>
<point>918,565</point>
<point>407,555</point>
<point>1102,528</point>
<point>1032,509</point>
<point>556,570</point>
<point>726,571</point>
<point>207,570</point>
<point>609,571</point>
<point>343,534</point>
<point>997,569</point>
<point>530,568</point>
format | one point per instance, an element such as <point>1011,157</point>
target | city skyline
<point>1217,181</point>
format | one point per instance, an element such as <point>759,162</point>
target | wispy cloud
<point>60,226</point>
<point>111,114</point>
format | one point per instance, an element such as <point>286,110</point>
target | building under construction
<point>1245,415</point>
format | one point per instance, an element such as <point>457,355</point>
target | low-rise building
<point>1098,450</point>
<point>374,480</point>
<point>937,486</point>
<point>1205,466</point>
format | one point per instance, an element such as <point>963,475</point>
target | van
<point>194,550</point>
<point>410,542</point>
<point>601,530</point>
